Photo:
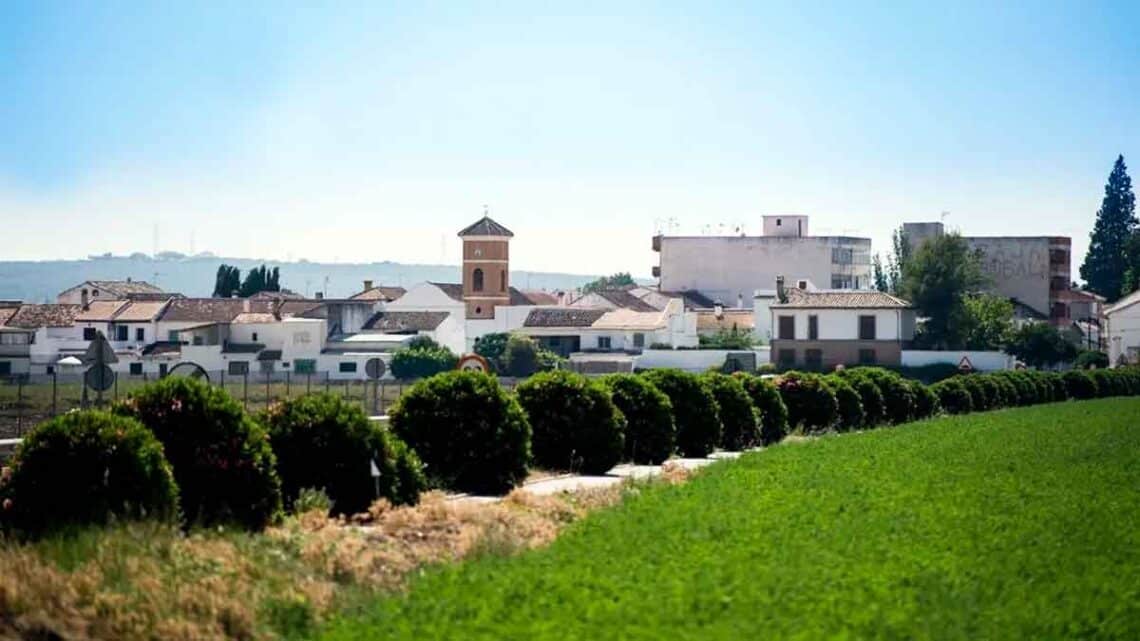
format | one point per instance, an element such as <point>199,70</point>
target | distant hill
<point>40,281</point>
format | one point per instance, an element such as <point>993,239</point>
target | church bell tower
<point>486,267</point>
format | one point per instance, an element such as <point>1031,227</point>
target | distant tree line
<point>228,282</point>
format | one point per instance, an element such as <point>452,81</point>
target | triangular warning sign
<point>965,366</point>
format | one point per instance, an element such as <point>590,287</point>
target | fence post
<point>245,391</point>
<point>115,393</point>
<point>288,386</point>
<point>19,406</point>
<point>309,383</point>
<point>266,390</point>
<point>54,395</point>
<point>328,375</point>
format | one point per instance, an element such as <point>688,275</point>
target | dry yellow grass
<point>145,581</point>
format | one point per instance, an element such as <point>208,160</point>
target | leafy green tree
<point>227,282</point>
<point>1132,259</point>
<point>615,281</point>
<point>1106,262</point>
<point>523,357</point>
<point>937,280</point>
<point>988,321</point>
<point>1040,345</point>
<point>897,262</point>
<point>260,279</point>
<point>491,347</point>
<point>880,276</point>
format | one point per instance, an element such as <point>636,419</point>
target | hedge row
<point>179,449</point>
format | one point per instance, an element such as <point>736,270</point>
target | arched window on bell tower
<point>477,280</point>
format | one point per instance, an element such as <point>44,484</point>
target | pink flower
<point>7,504</point>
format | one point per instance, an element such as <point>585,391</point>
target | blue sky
<point>375,132</point>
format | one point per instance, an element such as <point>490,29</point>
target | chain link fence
<point>26,400</point>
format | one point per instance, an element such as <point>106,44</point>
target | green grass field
<point>1018,524</point>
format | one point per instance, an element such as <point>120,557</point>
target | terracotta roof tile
<point>125,287</point>
<point>562,317</point>
<point>212,310</point>
<point>486,227</point>
<point>101,310</point>
<point>37,316</point>
<point>400,321</point>
<point>380,292</point>
<point>140,311</point>
<point>842,299</point>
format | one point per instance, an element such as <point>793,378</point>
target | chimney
<point>128,279</point>
<point>320,295</point>
<point>739,300</point>
<point>367,284</point>
<point>781,295</point>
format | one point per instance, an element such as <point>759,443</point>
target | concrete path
<point>575,482</point>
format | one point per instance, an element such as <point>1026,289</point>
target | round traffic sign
<point>375,368</point>
<point>99,378</point>
<point>473,363</point>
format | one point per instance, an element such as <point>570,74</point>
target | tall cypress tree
<point>1106,263</point>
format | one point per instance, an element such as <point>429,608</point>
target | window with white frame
<point>604,342</point>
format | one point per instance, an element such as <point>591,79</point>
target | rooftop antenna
<point>154,242</point>
<point>485,211</point>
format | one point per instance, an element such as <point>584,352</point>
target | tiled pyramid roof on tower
<point>486,227</point>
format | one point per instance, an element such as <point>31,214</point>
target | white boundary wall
<point>982,361</point>
<point>693,360</point>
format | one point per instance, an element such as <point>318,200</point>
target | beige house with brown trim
<point>817,330</point>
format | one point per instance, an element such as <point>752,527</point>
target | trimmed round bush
<point>325,442</point>
<point>811,403</point>
<point>1106,383</point>
<point>1089,359</point>
<point>1057,385</point>
<point>983,394</point>
<point>738,418</point>
<point>650,435</point>
<point>898,399</point>
<point>574,423</point>
<point>1004,391</point>
<point>874,407</point>
<point>222,460</point>
<point>849,403</point>
<point>953,395</point>
<point>1026,390</point>
<point>87,468</point>
<point>1080,384</point>
<point>766,399</point>
<point>471,435</point>
<point>695,412</point>
<point>925,401</point>
<point>421,359</point>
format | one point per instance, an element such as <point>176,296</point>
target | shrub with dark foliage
<point>1003,389</point>
<point>422,359</point>
<point>953,395</point>
<point>574,423</point>
<point>849,402</point>
<point>767,400</point>
<point>811,403</point>
<point>898,399</point>
<point>874,407</point>
<point>650,435</point>
<point>1026,390</point>
<point>1106,383</point>
<point>982,392</point>
<point>222,460</point>
<point>1080,384</point>
<point>87,468</point>
<point>739,419</point>
<point>925,401</point>
<point>695,411</point>
<point>471,434</point>
<point>1057,384</point>
<point>325,442</point>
